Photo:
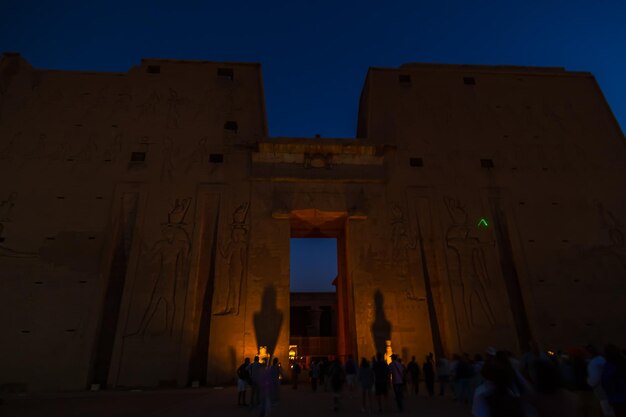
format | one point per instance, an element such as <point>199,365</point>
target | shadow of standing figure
<point>268,321</point>
<point>381,327</point>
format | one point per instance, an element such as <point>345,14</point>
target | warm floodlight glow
<point>293,352</point>
<point>263,355</point>
<point>388,351</point>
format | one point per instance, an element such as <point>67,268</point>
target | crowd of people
<point>579,383</point>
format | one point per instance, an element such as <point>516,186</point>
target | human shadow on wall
<point>381,327</point>
<point>268,321</point>
<point>233,359</point>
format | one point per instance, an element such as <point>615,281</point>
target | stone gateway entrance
<point>145,219</point>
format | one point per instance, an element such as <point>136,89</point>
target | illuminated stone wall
<point>539,155</point>
<point>118,192</point>
<point>145,218</point>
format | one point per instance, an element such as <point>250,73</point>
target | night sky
<point>313,264</point>
<point>315,54</point>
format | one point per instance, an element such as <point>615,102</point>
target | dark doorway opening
<point>321,318</point>
<point>313,298</point>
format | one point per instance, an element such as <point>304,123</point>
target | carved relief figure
<point>6,207</point>
<point>167,260</point>
<point>402,242</point>
<point>472,268</point>
<point>177,214</point>
<point>609,260</point>
<point>402,245</point>
<point>234,253</point>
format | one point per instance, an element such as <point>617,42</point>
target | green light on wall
<point>483,222</point>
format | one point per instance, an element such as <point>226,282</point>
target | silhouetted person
<point>254,371</point>
<point>336,376</point>
<point>550,398</point>
<point>429,375</point>
<point>397,379</point>
<point>351,370</point>
<point>322,374</point>
<point>462,377</point>
<point>275,375</point>
<point>381,380</point>
<point>295,374</point>
<point>477,378</point>
<point>614,379</point>
<point>267,387</point>
<point>243,379</point>
<point>314,373</point>
<point>499,395</point>
<point>366,381</point>
<point>595,368</point>
<point>443,373</point>
<point>579,386</point>
<point>530,360</point>
<point>413,370</point>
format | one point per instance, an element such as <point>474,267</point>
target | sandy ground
<point>211,402</point>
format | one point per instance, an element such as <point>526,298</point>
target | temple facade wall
<point>145,218</point>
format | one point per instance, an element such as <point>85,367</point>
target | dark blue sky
<point>315,54</point>
<point>313,264</point>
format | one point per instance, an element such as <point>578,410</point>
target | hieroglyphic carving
<point>402,242</point>
<point>167,263</point>
<point>199,155</point>
<point>87,150</point>
<point>121,105</point>
<point>204,108</point>
<point>40,149</point>
<point>318,160</point>
<point>6,252</point>
<point>470,258</point>
<point>8,150</point>
<point>90,102</point>
<point>173,113</point>
<point>167,166</point>
<point>114,147</point>
<point>234,254</point>
<point>149,107</point>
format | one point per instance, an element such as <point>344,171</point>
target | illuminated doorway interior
<point>313,298</point>
<point>320,299</point>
